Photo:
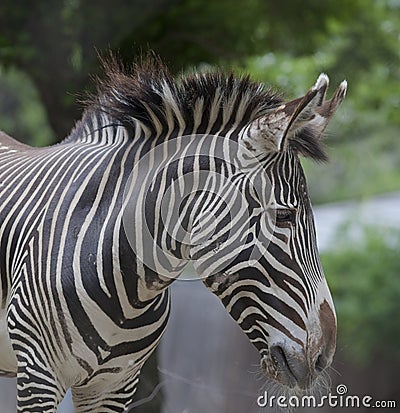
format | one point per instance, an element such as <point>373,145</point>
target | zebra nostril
<point>292,366</point>
<point>319,364</point>
<point>282,366</point>
<point>278,357</point>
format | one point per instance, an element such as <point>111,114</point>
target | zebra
<point>159,172</point>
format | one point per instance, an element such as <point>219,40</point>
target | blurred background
<point>48,53</point>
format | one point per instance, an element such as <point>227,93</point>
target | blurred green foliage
<point>364,278</point>
<point>363,137</point>
<point>18,116</point>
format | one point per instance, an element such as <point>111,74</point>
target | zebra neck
<point>167,191</point>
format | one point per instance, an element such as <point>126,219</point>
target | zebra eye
<point>285,216</point>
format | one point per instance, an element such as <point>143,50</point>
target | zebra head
<point>255,246</point>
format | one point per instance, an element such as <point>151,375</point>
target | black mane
<point>149,94</point>
<point>148,89</point>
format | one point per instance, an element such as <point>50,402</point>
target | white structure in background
<point>380,212</point>
<point>206,362</point>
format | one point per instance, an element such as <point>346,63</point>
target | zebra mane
<point>148,93</point>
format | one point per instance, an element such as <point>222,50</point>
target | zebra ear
<point>281,125</point>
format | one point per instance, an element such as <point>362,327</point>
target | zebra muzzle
<point>293,367</point>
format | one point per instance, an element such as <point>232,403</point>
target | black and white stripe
<point>94,229</point>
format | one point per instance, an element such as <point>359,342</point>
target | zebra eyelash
<point>285,216</point>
